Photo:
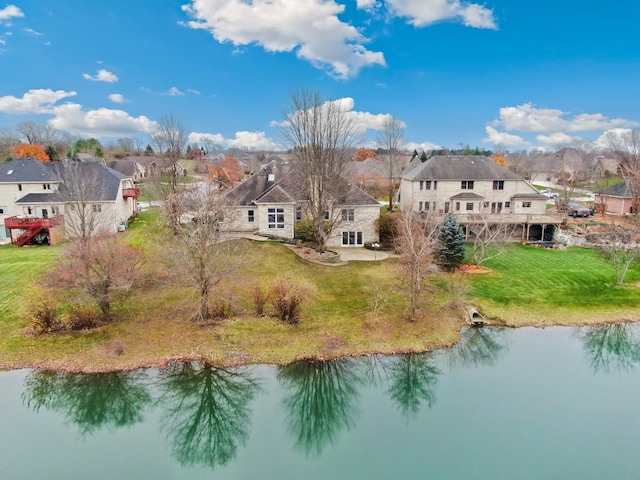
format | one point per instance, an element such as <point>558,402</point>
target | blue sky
<point>521,74</point>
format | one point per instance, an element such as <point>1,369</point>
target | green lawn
<point>559,285</point>
<point>526,286</point>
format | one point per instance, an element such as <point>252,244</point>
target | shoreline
<point>73,366</point>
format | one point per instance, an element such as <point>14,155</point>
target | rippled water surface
<point>556,403</point>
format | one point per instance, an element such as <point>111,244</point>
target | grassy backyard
<point>354,309</point>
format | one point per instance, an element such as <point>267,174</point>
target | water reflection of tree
<point>91,401</point>
<point>612,347</point>
<point>321,401</point>
<point>412,378</point>
<point>477,346</point>
<point>207,411</point>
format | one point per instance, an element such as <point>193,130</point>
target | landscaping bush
<point>260,297</point>
<point>387,227</point>
<point>42,315</point>
<point>305,231</point>
<point>287,299</point>
<point>82,317</point>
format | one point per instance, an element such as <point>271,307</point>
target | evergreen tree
<point>424,157</point>
<point>148,151</point>
<point>451,252</point>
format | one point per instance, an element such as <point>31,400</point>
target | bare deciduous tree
<point>321,135</point>
<point>626,148</point>
<point>199,250</point>
<point>415,242</point>
<point>42,133</point>
<point>99,267</point>
<point>80,192</point>
<point>622,248</point>
<point>488,239</point>
<point>169,139</point>
<point>391,140</point>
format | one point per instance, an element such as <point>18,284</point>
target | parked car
<point>576,210</point>
<point>549,193</point>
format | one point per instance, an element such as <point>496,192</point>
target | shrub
<point>42,315</point>
<point>82,317</point>
<point>287,299</point>
<point>260,298</point>
<point>387,227</point>
<point>221,308</point>
<point>305,231</point>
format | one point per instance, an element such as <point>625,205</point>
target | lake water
<point>556,403</point>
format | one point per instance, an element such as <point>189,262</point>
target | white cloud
<point>33,32</point>
<point>243,139</point>
<point>502,138</point>
<point>201,138</point>
<point>311,28</point>
<point>421,147</point>
<point>528,118</point>
<point>426,12</point>
<point>101,122</point>
<point>102,76</point>
<point>9,12</point>
<point>173,92</point>
<point>558,138</point>
<point>117,98</point>
<point>34,101</point>
<point>193,91</point>
<point>362,121</point>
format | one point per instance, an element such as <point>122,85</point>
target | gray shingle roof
<point>27,170</point>
<point>282,188</point>
<point>32,198</point>
<point>618,190</point>
<point>445,167</point>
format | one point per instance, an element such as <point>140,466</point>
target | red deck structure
<point>30,226</point>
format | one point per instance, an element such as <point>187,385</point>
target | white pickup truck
<point>549,194</point>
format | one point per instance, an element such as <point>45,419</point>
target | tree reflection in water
<point>206,411</point>
<point>413,378</point>
<point>320,401</point>
<point>92,402</point>
<point>477,346</point>
<point>610,347</point>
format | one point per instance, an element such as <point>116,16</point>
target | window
<point>486,204</point>
<point>3,210</point>
<point>457,206</point>
<point>348,214</point>
<point>467,185</point>
<point>435,184</point>
<point>352,238</point>
<point>28,210</point>
<point>421,185</point>
<point>427,185</point>
<point>420,206</point>
<point>97,208</point>
<point>498,184</point>
<point>507,204</point>
<point>298,213</point>
<point>55,210</point>
<point>327,215</point>
<point>469,206</point>
<point>446,207</point>
<point>46,186</point>
<point>275,218</point>
<point>526,204</point>
<point>20,187</point>
<point>251,216</point>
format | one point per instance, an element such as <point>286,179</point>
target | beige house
<point>269,203</point>
<point>42,203</point>
<point>476,189</point>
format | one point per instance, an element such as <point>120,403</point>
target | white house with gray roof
<point>270,203</point>
<point>34,199</point>
<point>475,189</point>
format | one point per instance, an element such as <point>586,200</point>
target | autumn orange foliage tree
<point>364,153</point>
<point>30,150</point>
<point>500,160</point>
<point>227,171</point>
